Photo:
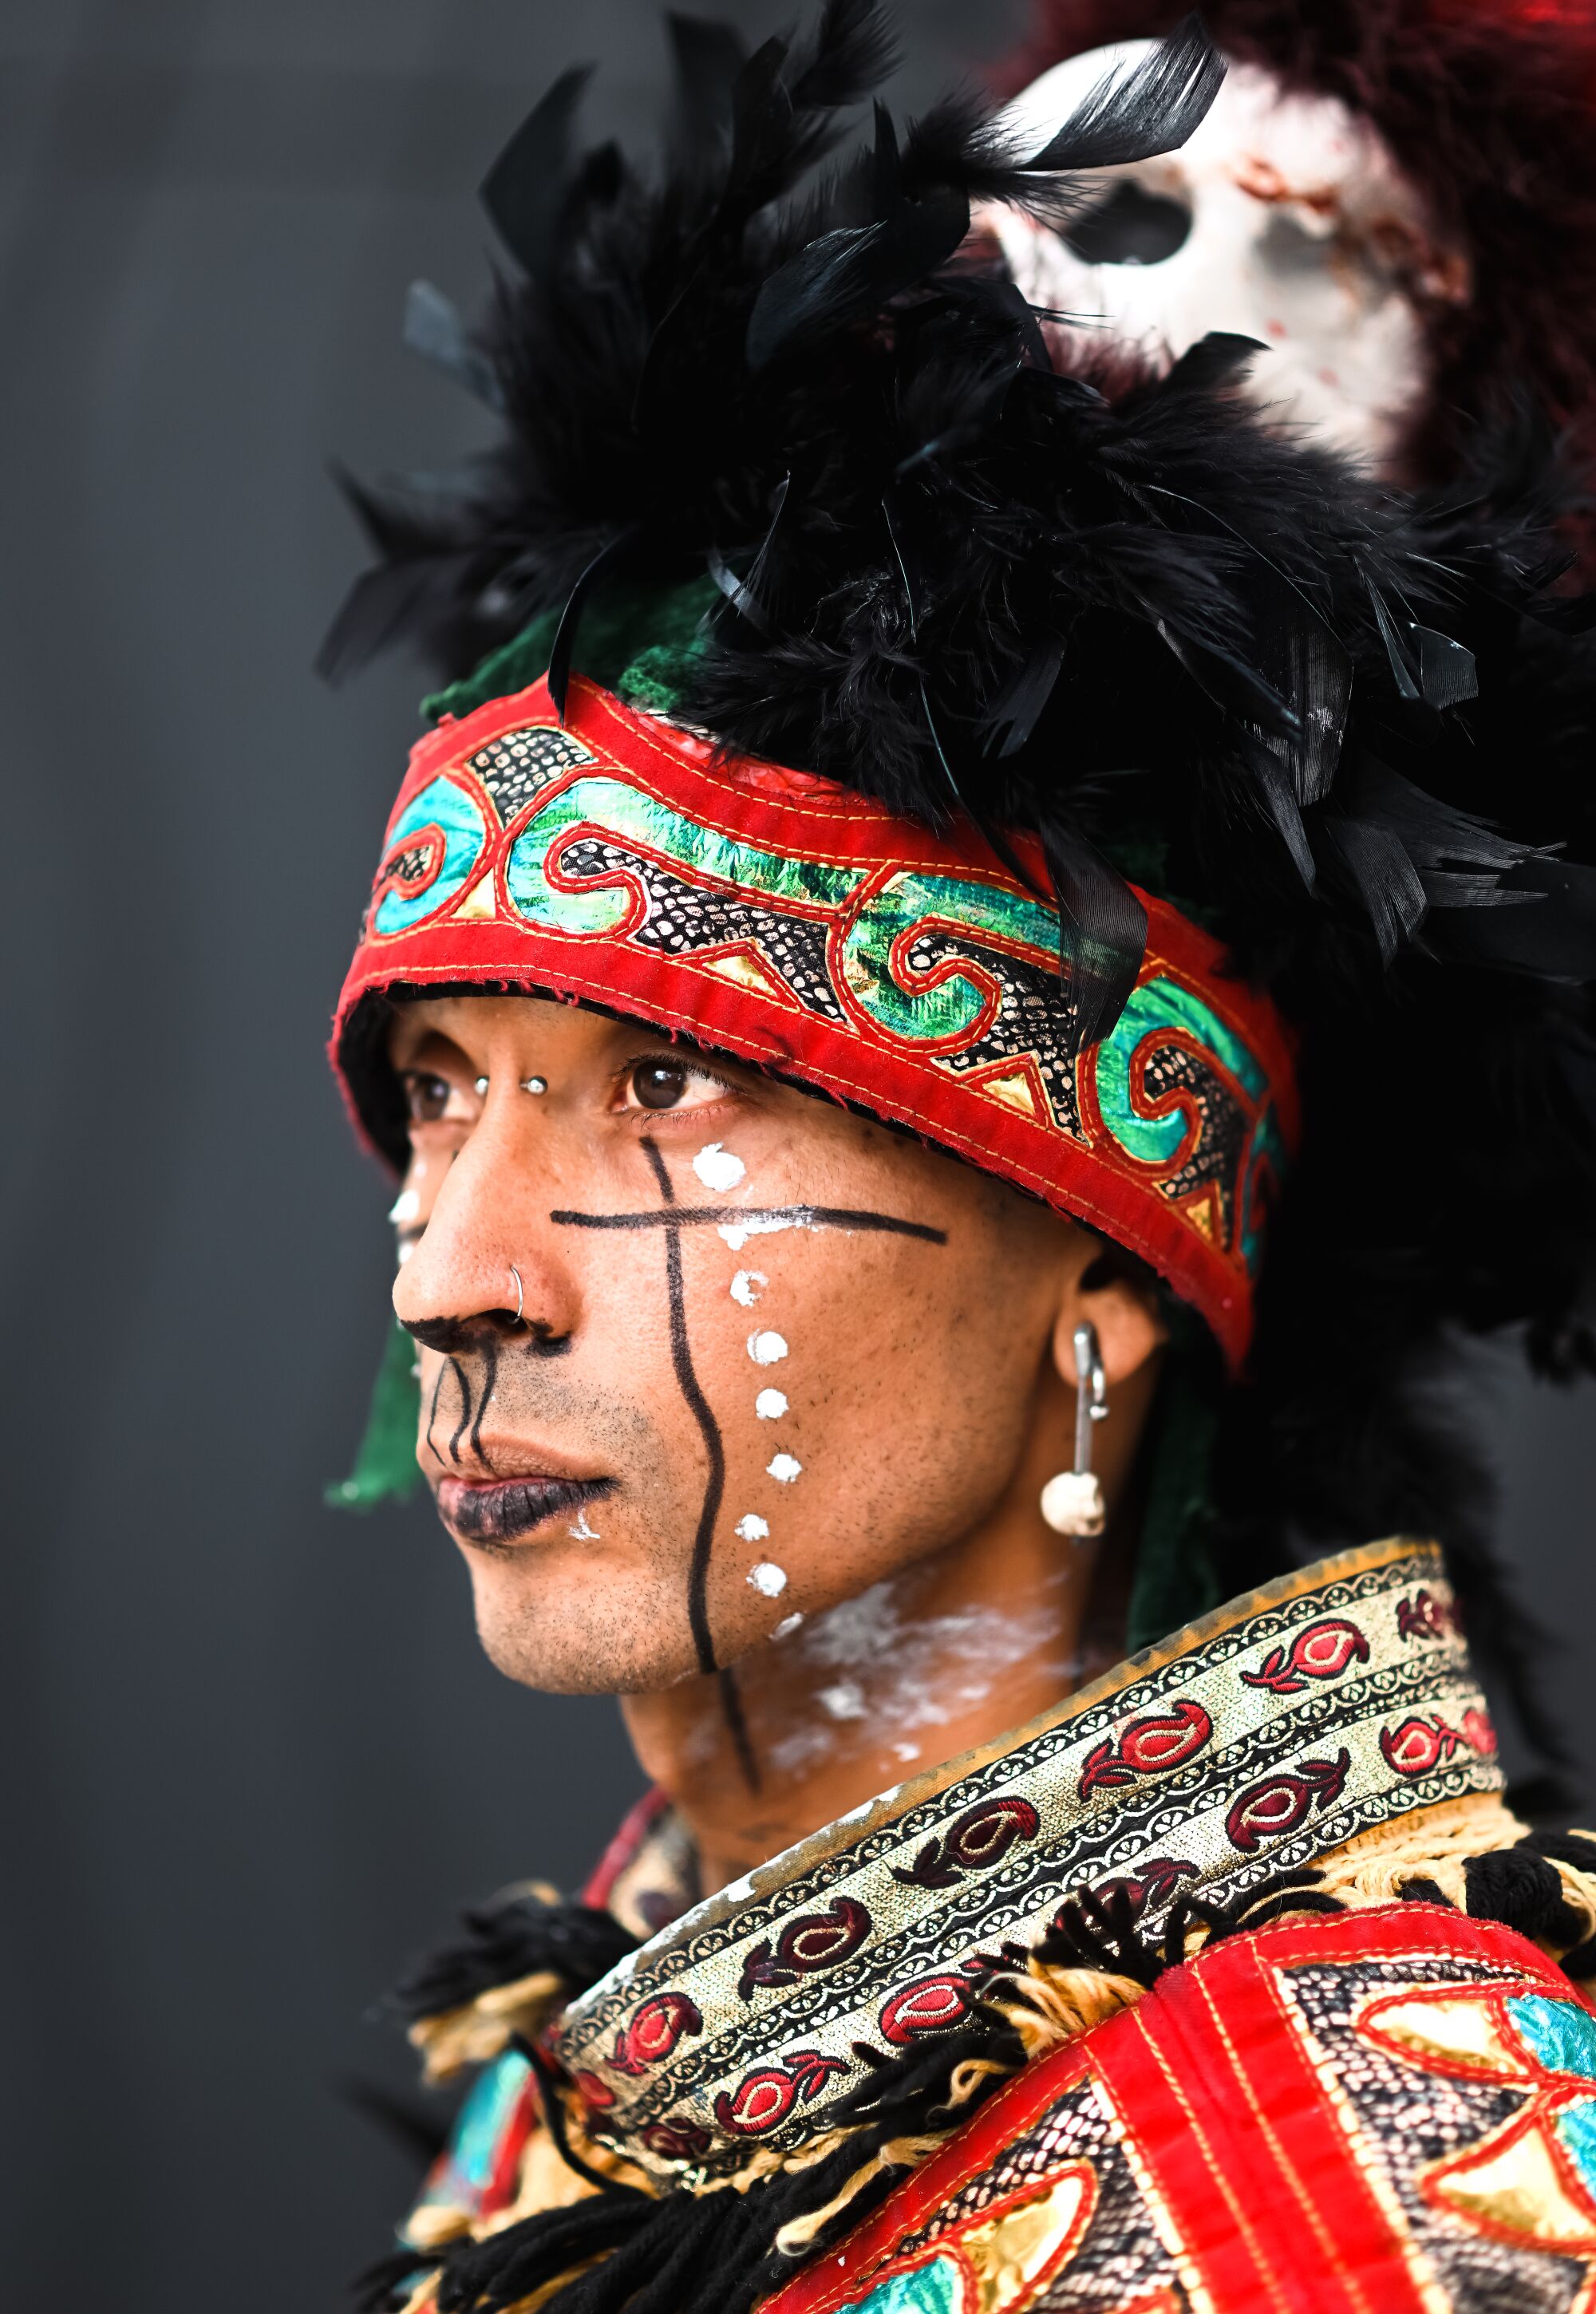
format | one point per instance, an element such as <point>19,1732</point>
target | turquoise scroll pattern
<point>873,922</point>
<point>442,805</point>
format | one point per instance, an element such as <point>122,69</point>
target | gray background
<point>257,1759</point>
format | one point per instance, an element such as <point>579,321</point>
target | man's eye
<point>670,1084</point>
<point>426,1096</point>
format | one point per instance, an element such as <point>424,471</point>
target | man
<point>938,844</point>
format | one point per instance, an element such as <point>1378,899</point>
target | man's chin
<point>560,1649</point>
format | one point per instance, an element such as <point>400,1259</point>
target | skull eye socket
<point>1131,227</point>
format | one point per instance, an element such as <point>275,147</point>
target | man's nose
<point>490,1258</point>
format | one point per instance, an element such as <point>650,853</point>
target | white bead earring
<point>1073,1501</point>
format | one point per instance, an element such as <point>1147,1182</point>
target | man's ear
<point>1123,1305</point>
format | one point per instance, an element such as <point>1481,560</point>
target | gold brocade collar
<point>1292,1720</point>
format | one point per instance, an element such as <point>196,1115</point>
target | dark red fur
<point>1491,112</point>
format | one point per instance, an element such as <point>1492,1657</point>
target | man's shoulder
<point>1397,2106</point>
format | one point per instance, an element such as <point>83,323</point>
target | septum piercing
<point>520,1296</point>
<point>528,1084</point>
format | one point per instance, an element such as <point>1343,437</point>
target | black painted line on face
<point>674,1216</point>
<point>490,1355</point>
<point>460,1428</point>
<point>687,1380</point>
<point>432,1416</point>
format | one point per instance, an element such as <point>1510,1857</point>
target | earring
<point>1073,1501</point>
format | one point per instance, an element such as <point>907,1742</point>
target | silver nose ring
<point>520,1297</point>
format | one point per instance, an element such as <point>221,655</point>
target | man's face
<point>767,1352</point>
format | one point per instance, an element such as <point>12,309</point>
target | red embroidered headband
<point>791,923</point>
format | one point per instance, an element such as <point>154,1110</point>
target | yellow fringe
<point>1050,2007</point>
<point>481,2028</point>
<point>1435,1845</point>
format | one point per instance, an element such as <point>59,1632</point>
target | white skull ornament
<point>1282,218</point>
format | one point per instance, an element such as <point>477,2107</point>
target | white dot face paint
<point>768,1579</point>
<point>766,1349</point>
<point>717,1169</point>
<point>405,1206</point>
<point>770,1404</point>
<point>844,1701</point>
<point>786,1627</point>
<point>582,1531</point>
<point>785,1467</point>
<point>736,1234</point>
<point>745,1286</point>
<point>752,1527</point>
<point>405,1252</point>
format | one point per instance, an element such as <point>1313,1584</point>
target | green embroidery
<point>911,902</point>
<point>631,816</point>
<point>1154,1009</point>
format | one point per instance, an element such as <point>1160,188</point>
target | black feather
<point>1347,729</point>
<point>1137,111</point>
<point>525,189</point>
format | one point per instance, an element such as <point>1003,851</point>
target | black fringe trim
<point>508,1937</point>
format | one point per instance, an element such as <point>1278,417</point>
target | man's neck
<point>951,1654</point>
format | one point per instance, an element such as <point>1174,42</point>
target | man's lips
<point>503,1510</point>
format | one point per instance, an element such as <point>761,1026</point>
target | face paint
<point>768,1579</point>
<point>770,1406</point>
<point>905,1669</point>
<point>766,1349</point>
<point>787,1626</point>
<point>717,1169</point>
<point>745,1285</point>
<point>845,1700</point>
<point>582,1531</point>
<point>784,1467</point>
<point>752,1528</point>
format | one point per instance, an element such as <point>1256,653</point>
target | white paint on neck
<point>745,1286</point>
<point>768,1579</point>
<point>752,1527</point>
<point>770,1404</point>
<point>784,1467</point>
<point>766,1349</point>
<point>844,1700</point>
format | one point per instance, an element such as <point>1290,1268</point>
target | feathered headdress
<point>787,459</point>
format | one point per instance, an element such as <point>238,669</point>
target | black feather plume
<point>1348,730</point>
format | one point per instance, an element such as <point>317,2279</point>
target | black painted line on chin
<point>491,1354</point>
<point>731,1704</point>
<point>460,1428</point>
<point>432,1415</point>
<point>674,1216</point>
